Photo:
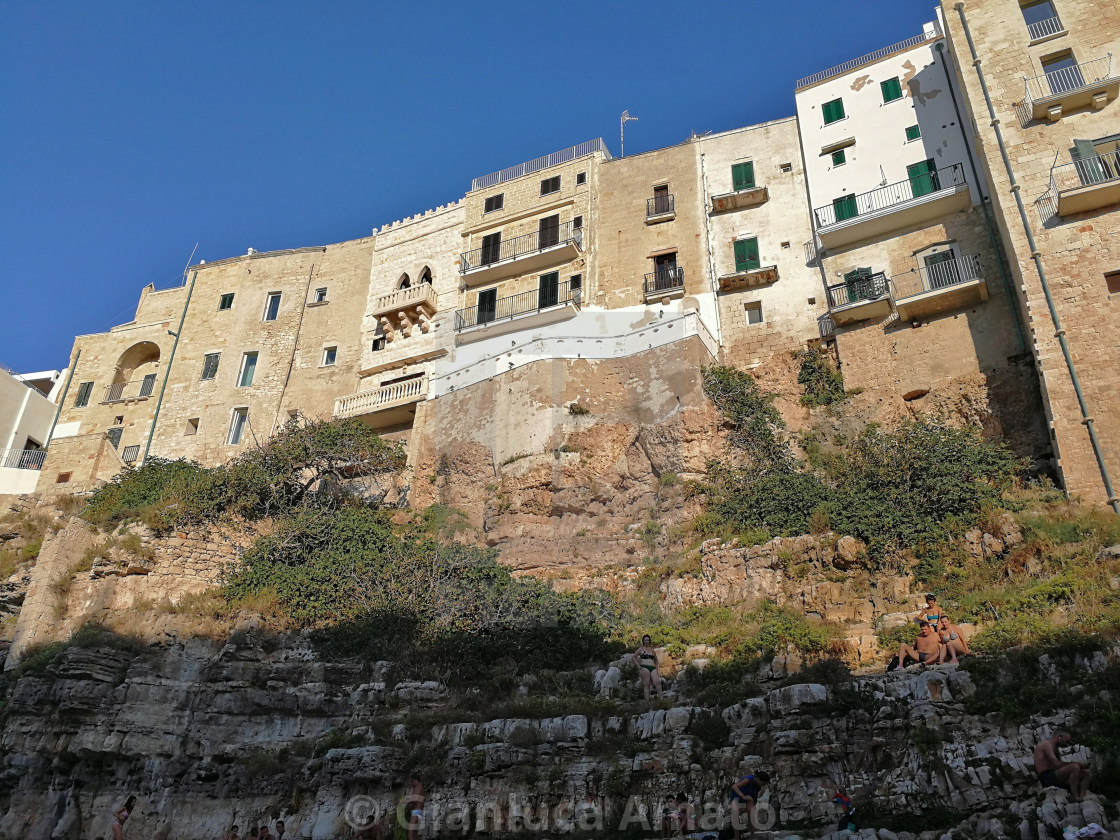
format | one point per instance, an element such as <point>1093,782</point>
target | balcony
<point>521,254</point>
<point>750,278</point>
<point>499,316</point>
<point>1087,184</point>
<point>859,298</point>
<point>939,287</point>
<point>422,297</point>
<point>1069,88</point>
<point>660,208</point>
<point>23,459</point>
<point>740,199</point>
<point>664,283</point>
<point>918,200</point>
<point>387,405</point>
<point>137,389</point>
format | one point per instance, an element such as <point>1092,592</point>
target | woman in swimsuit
<point>645,658</point>
<point>121,816</point>
<point>952,641</point>
<point>932,612</point>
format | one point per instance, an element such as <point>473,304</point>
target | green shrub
<point>822,382</point>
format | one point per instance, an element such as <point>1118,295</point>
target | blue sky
<point>131,131</point>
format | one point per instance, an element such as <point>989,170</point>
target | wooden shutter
<point>891,89</point>
<point>833,111</point>
<point>746,254</point>
<point>742,176</point>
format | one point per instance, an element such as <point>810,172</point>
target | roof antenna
<point>622,130</point>
<point>187,267</point>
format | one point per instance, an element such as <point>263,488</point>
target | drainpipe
<point>1036,256</point>
<point>295,346</point>
<point>167,372</point>
<point>62,398</point>
<point>997,246</point>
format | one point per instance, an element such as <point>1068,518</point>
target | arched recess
<point>426,276</point>
<point>136,362</point>
<point>404,282</point>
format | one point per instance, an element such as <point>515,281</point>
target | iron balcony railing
<point>892,195</point>
<point>857,289</point>
<point>1044,28</point>
<point>841,69</point>
<point>942,275</point>
<point>1069,79</point>
<point>23,459</point>
<point>137,389</point>
<point>513,306</point>
<point>130,453</point>
<point>1085,172</point>
<point>664,280</point>
<point>520,246</point>
<point>659,205</point>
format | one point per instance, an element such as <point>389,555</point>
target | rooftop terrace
<point>536,165</point>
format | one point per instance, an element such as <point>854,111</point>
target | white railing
<point>942,275</point>
<point>537,164</point>
<point>1085,172</point>
<point>386,396</point>
<point>841,69</point>
<point>23,459</point>
<point>137,389</point>
<point>1044,28</point>
<point>1069,79</point>
<point>403,298</point>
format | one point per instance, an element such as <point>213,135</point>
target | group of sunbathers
<point>939,640</point>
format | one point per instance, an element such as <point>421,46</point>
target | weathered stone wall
<point>1076,251</point>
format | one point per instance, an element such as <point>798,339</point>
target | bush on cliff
<point>817,374</point>
<point>276,477</point>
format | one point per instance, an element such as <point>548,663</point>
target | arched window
<point>426,276</point>
<point>404,282</point>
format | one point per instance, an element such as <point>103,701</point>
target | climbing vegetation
<point>818,375</point>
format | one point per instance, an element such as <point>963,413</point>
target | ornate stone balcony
<point>419,297</point>
<point>386,405</point>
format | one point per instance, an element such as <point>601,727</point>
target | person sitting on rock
<point>932,611</point>
<point>847,818</point>
<point>232,834</point>
<point>1053,772</point>
<point>926,648</point>
<point>645,657</point>
<point>744,793</point>
<point>952,641</point>
<point>121,817</point>
<point>678,820</point>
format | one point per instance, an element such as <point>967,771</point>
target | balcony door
<point>661,199</point>
<point>859,285</point>
<point>923,178</point>
<point>491,248</point>
<point>1062,74</point>
<point>548,233</point>
<point>548,293</point>
<point>665,271</point>
<point>1091,167</point>
<point>148,385</point>
<point>487,306</point>
<point>942,271</point>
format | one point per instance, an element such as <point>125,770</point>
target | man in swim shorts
<point>1053,772</point>
<point>924,651</point>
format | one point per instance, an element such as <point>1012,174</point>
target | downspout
<point>714,283</point>
<point>62,398</point>
<point>997,246</point>
<point>167,372</point>
<point>1036,255</point>
<point>295,346</point>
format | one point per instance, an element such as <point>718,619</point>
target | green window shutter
<point>833,111</point>
<point>923,178</point>
<point>892,89</point>
<point>746,254</point>
<point>839,158</point>
<point>844,207</point>
<point>913,132</point>
<point>742,176</point>
<point>84,391</point>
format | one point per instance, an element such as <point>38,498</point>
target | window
<point>378,344</point>
<point>839,158</point>
<point>210,365</point>
<point>330,354</point>
<point>487,306</point>
<point>321,295</point>
<point>491,248</point>
<point>62,478</point>
<point>548,291</point>
<point>833,111</point>
<point>225,302</point>
<point>114,436</point>
<point>548,231</point>
<point>147,385</point>
<point>742,176</point>
<point>923,177</point>
<point>1041,19</point>
<point>494,202</point>
<point>131,453</point>
<point>1112,282</point>
<point>84,390</point>
<point>237,425</point>
<point>426,276</point>
<point>753,312</point>
<point>844,207</point>
<point>913,133</point>
<point>575,282</point>
<point>272,307</point>
<point>577,222</point>
<point>661,201</point>
<point>550,185</point>
<point>192,426</point>
<point>248,370</point>
<point>892,89</point>
<point>746,254</point>
<point>118,420</point>
<point>1062,72</point>
<point>786,167</point>
<point>581,178</point>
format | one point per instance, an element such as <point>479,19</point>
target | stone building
<point>915,282</point>
<point>1048,150</point>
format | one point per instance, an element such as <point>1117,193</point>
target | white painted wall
<point>24,413</point>
<point>881,152</point>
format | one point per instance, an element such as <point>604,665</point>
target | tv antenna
<point>625,118</point>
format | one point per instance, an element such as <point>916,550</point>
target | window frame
<point>321,295</point>
<point>829,108</point>
<point>843,158</point>
<point>494,203</point>
<point>914,127</point>
<point>742,249</point>
<point>81,399</point>
<point>330,356</point>
<point>191,427</point>
<point>225,302</point>
<point>581,178</point>
<point>277,296</point>
<point>217,357</point>
<point>738,183</point>
<point>546,182</point>
<point>245,356</point>
<point>242,412</point>
<point>751,306</point>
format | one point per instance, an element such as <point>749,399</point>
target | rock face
<point>207,735</point>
